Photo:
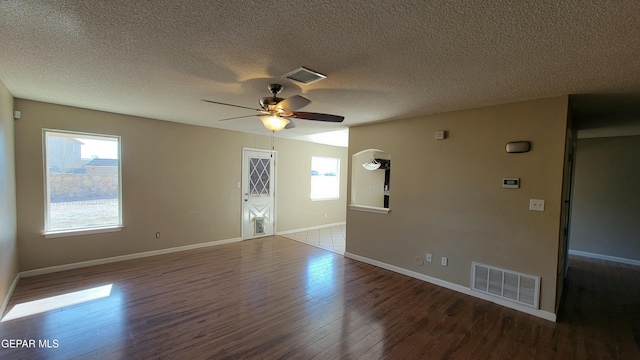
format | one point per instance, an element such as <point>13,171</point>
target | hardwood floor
<point>275,298</point>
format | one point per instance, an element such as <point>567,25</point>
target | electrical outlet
<point>444,261</point>
<point>536,204</point>
<point>158,235</point>
<point>429,257</point>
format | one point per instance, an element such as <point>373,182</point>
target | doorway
<point>258,193</point>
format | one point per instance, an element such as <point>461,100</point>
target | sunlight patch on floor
<point>57,302</point>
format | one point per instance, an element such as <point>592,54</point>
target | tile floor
<point>330,238</point>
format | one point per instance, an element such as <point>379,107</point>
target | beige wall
<point>447,196</point>
<point>8,242</point>
<point>200,166</point>
<point>296,210</point>
<point>606,190</point>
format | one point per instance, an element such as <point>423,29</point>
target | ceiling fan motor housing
<point>269,102</point>
<point>274,88</point>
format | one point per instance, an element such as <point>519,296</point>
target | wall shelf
<point>372,209</point>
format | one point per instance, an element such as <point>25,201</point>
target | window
<point>82,181</point>
<point>325,178</point>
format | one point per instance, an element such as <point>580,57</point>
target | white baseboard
<point>605,257</point>
<point>285,232</point>
<point>5,302</point>
<point>455,287</point>
<point>82,264</point>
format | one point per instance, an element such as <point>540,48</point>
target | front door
<point>258,198</point>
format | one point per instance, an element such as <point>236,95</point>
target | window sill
<point>67,233</point>
<point>372,209</point>
<point>324,199</point>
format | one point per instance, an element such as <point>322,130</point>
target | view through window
<point>325,178</point>
<point>82,176</point>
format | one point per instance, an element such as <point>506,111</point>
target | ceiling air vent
<point>304,76</point>
<point>510,285</point>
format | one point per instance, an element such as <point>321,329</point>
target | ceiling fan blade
<point>293,103</point>
<point>238,117</point>
<point>221,103</point>
<point>317,116</point>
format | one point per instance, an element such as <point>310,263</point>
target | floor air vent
<point>521,288</point>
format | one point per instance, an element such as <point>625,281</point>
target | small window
<point>82,181</point>
<point>325,178</point>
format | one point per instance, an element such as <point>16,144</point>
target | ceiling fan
<point>276,113</point>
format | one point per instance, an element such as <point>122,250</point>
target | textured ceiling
<point>384,59</point>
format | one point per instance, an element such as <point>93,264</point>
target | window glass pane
<point>82,181</point>
<point>325,178</point>
<point>259,176</point>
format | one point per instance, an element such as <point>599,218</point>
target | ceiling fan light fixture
<point>275,110</point>
<point>372,164</point>
<point>274,123</point>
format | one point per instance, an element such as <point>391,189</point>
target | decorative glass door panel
<point>260,176</point>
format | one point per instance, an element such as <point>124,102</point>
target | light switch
<point>536,204</point>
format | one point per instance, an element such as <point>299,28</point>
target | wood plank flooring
<point>275,298</point>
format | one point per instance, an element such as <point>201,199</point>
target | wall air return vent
<point>521,288</point>
<point>304,76</point>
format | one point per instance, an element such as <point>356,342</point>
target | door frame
<point>273,181</point>
<point>565,211</point>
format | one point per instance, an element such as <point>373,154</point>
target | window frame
<point>85,230</point>
<point>311,192</point>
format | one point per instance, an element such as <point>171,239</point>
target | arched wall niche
<point>371,188</point>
